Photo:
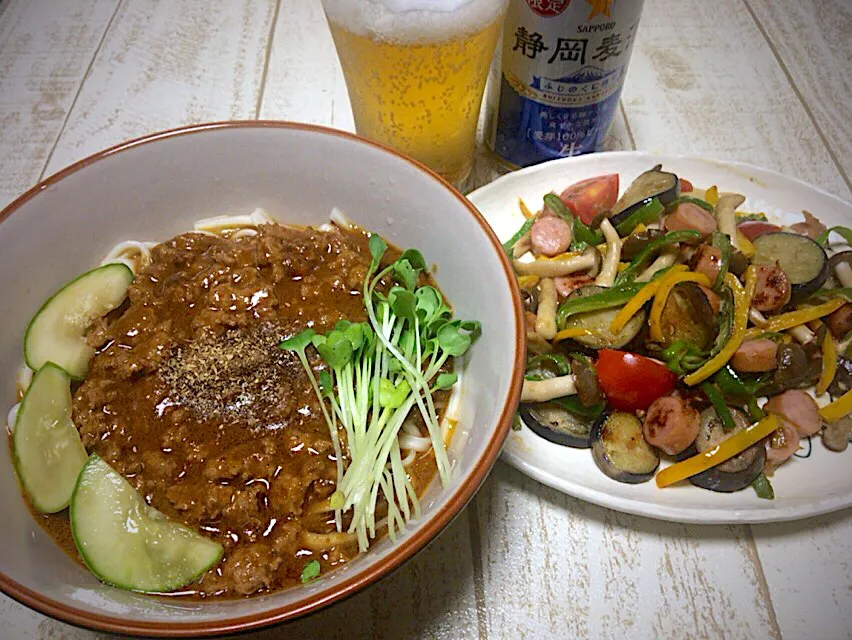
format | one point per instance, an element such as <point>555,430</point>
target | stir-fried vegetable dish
<point>669,323</point>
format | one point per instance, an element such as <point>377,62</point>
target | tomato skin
<point>632,382</point>
<point>587,198</point>
<point>755,228</point>
<point>686,186</point>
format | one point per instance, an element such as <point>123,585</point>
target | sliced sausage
<point>811,227</point>
<point>707,260</point>
<point>799,408</point>
<point>712,298</point>
<point>756,228</point>
<point>753,356</point>
<point>773,289</point>
<point>567,284</point>
<point>550,236</point>
<point>840,321</point>
<point>782,444</point>
<point>690,217</point>
<point>671,424</point>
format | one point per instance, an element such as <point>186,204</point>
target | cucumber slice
<point>57,331</point>
<point>127,543</point>
<point>48,451</point>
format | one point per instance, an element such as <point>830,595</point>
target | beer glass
<point>416,71</point>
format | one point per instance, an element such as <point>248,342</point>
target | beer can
<point>555,85</point>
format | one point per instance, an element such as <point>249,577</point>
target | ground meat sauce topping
<point>190,399</point>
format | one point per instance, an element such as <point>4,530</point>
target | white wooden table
<point>762,81</point>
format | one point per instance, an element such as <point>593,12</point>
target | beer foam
<point>411,21</point>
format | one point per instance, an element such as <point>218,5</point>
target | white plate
<point>803,487</point>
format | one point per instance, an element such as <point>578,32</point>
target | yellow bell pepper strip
<point>667,282</point>
<point>725,450</point>
<point>525,282</point>
<point>746,247</point>
<point>829,364</point>
<point>525,209</point>
<point>712,195</point>
<point>571,332</point>
<point>636,302</point>
<point>559,256</point>
<point>795,318</point>
<point>742,302</point>
<point>840,408</point>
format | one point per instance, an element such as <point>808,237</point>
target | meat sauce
<point>189,398</point>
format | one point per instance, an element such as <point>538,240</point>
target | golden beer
<point>418,87</point>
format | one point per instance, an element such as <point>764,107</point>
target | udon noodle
<point>191,371</point>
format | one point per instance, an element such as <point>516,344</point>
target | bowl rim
<point>429,529</point>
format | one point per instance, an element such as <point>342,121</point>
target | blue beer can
<point>555,86</point>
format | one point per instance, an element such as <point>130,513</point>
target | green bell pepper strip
<point>511,242</point>
<point>559,362</point>
<point>614,297</point>
<point>582,232</point>
<point>734,388</point>
<point>750,217</point>
<point>682,357</point>
<point>709,208</point>
<point>719,406</point>
<point>573,405</point>
<point>635,267</point>
<point>845,232</point>
<point>722,242</point>
<point>842,292</point>
<point>763,488</point>
<point>644,215</point>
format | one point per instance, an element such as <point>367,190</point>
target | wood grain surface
<point>46,49</point>
<point>752,80</point>
<point>810,41</point>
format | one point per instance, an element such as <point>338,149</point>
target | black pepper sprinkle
<point>240,375</point>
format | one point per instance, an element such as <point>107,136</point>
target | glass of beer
<point>416,71</point>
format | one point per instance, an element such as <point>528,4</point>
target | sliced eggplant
<point>735,474</point>
<point>560,426</point>
<point>636,242</point>
<point>620,450</point>
<point>802,259</point>
<point>738,263</point>
<point>688,317</point>
<point>597,323</point>
<point>842,381</point>
<point>791,369</point>
<point>589,391</point>
<point>654,183</point>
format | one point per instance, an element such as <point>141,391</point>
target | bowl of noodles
<point>252,368</point>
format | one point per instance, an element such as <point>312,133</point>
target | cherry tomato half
<point>686,186</point>
<point>632,382</point>
<point>588,198</point>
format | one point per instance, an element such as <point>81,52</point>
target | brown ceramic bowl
<point>156,187</point>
